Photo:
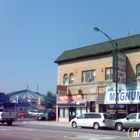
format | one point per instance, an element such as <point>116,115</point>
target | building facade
<point>85,80</point>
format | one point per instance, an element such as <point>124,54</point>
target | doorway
<point>72,113</point>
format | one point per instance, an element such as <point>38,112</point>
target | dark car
<point>48,116</point>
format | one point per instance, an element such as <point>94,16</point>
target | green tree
<point>50,94</point>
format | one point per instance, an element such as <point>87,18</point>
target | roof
<point>99,49</point>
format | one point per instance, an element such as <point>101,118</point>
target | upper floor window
<point>71,78</point>
<point>138,70</point>
<point>65,79</point>
<point>108,74</point>
<point>88,76</point>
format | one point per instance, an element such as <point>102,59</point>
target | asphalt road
<point>32,130</point>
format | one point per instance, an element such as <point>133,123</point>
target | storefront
<point>73,101</point>
<point>69,110</point>
<point>128,101</point>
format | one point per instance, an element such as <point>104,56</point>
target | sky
<point>34,33</point>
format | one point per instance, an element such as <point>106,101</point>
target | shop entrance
<point>72,113</point>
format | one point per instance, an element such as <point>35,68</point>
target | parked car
<point>46,116</point>
<point>34,112</point>
<point>21,114</point>
<point>95,120</point>
<point>132,120</point>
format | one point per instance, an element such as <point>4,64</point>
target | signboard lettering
<point>128,94</point>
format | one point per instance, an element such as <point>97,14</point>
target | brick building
<point>85,84</point>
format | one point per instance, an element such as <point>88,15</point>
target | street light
<point>115,67</point>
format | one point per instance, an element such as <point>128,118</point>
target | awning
<point>73,104</point>
<point>100,98</point>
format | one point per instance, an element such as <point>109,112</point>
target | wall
<point>99,64</point>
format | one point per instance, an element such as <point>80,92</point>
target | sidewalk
<point>49,123</point>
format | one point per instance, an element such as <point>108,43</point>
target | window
<point>80,110</point>
<point>111,107</point>
<point>96,116</point>
<point>88,76</point>
<point>71,78</point>
<point>82,116</point>
<point>138,70</point>
<point>108,74</point>
<point>107,116</point>
<point>139,116</point>
<point>92,116</point>
<point>63,112</point>
<point>65,79</point>
<point>132,116</point>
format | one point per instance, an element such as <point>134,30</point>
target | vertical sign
<point>121,68</point>
<point>39,101</point>
<point>119,65</point>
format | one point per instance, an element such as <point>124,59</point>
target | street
<point>32,130</point>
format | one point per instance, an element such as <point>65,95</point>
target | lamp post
<point>115,67</point>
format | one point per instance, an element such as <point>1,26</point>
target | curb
<point>48,123</point>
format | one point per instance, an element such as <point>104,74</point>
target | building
<point>85,79</point>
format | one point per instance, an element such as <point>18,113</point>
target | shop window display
<point>132,108</point>
<point>111,110</point>
<point>139,108</point>
<point>63,112</point>
<point>121,111</point>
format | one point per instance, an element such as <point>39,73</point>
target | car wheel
<point>9,123</point>
<point>96,126</point>
<point>74,124</point>
<point>119,126</point>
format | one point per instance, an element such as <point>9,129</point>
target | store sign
<point>61,89</point>
<point>128,95</point>
<point>39,101</point>
<point>132,108</point>
<point>121,67</point>
<point>65,98</point>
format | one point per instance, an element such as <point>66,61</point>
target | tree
<point>46,102</point>
<point>50,94</point>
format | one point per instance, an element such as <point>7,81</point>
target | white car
<point>95,120</point>
<point>34,113</point>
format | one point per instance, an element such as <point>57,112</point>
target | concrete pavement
<point>49,123</point>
